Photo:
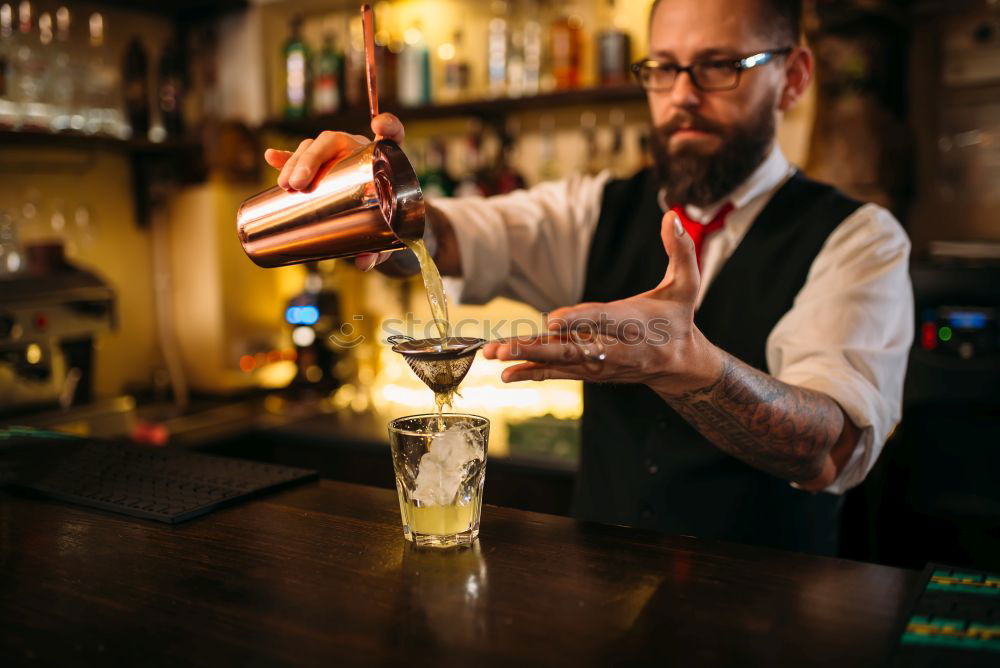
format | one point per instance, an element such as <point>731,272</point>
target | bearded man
<point>742,330</point>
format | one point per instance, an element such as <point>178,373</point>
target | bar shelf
<point>355,120</point>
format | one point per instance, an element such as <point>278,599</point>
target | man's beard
<point>697,179</point>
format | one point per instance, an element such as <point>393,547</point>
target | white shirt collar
<point>768,175</point>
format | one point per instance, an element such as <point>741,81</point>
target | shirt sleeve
<point>530,245</point>
<point>850,329</point>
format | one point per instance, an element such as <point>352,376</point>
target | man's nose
<point>685,94</point>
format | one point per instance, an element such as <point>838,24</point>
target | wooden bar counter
<point>320,575</point>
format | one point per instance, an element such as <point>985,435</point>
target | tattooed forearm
<point>784,430</point>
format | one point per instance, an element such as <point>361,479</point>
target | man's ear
<point>798,73</point>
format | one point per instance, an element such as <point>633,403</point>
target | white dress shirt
<point>848,333</point>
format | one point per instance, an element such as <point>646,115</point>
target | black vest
<point>641,463</point>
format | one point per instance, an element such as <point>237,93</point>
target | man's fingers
<point>489,350</point>
<point>368,261</point>
<point>572,350</point>
<point>276,158</point>
<point>539,350</point>
<point>568,317</point>
<point>327,146</point>
<point>388,126</point>
<point>682,277</point>
<point>543,348</point>
<point>289,166</point>
<point>365,261</point>
<point>535,371</point>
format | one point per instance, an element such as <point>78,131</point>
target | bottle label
<point>326,95</point>
<point>296,72</point>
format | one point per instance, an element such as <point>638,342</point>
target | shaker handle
<point>368,28</point>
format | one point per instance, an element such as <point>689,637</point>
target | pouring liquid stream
<point>432,284</point>
<point>439,310</point>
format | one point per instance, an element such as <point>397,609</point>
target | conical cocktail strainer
<point>440,363</point>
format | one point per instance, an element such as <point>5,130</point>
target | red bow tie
<point>698,231</point>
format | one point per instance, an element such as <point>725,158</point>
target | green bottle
<point>326,84</point>
<point>297,83</point>
<point>434,179</point>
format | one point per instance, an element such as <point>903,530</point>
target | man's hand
<point>299,168</point>
<point>649,338</point>
<point>790,432</point>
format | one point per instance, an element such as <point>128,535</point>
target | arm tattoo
<point>781,429</point>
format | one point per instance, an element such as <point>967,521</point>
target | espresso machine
<point>50,315</point>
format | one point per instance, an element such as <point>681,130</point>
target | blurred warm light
<point>303,336</point>
<point>359,404</point>
<point>344,395</point>
<point>33,353</point>
<point>313,373</point>
<point>412,36</point>
<point>277,375</point>
<point>274,404</point>
<point>13,262</point>
<point>446,51</point>
<point>247,363</point>
<point>366,375</point>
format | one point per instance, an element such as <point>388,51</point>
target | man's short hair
<point>781,18</point>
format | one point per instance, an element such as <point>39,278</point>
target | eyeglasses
<point>707,75</point>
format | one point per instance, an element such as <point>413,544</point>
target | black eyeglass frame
<point>741,65</point>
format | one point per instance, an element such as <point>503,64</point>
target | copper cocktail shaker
<point>369,201</point>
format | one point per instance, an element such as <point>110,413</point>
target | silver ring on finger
<point>594,354</point>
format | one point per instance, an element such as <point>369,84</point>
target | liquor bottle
<point>456,69</point>
<point>387,65</point>
<point>10,250</point>
<point>614,51</point>
<point>434,178</point>
<point>508,179</point>
<point>62,93</point>
<point>172,86</point>
<point>588,128</point>
<point>29,71</point>
<point>101,86</point>
<point>39,113</point>
<point>296,57</point>
<point>8,108</point>
<point>515,63</point>
<point>566,48</point>
<point>470,183</point>
<point>354,67</point>
<point>616,157</point>
<point>549,166</point>
<point>531,31</point>
<point>203,104</point>
<point>329,73</point>
<point>498,55</point>
<point>414,69</point>
<point>6,46</point>
<point>524,66</point>
<point>135,82</point>
<point>388,46</point>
